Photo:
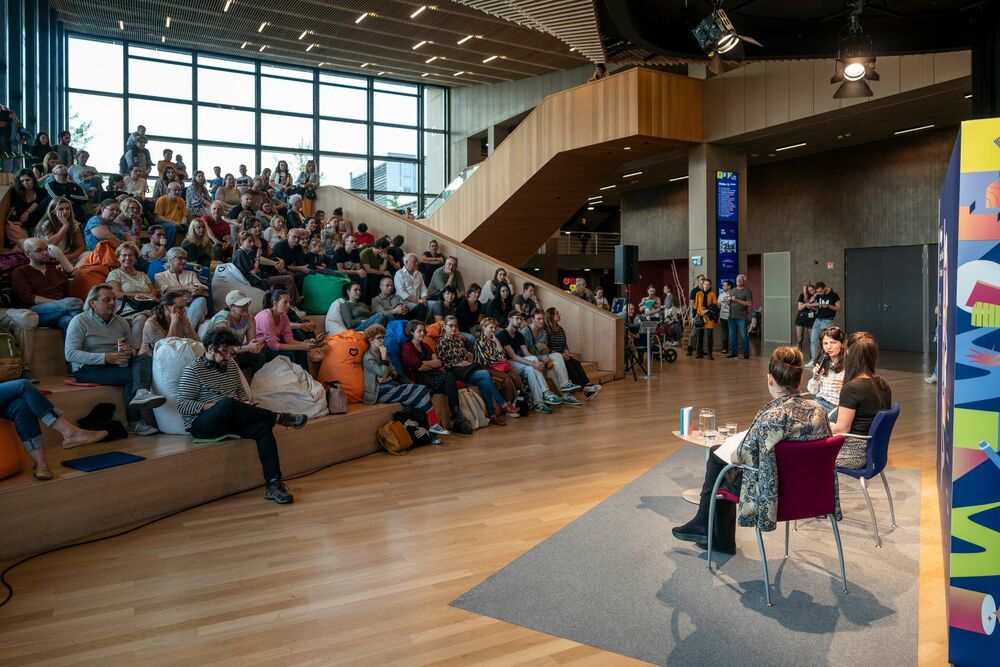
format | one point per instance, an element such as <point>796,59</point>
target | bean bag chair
<point>334,322</point>
<point>395,336</point>
<point>226,278</point>
<point>85,277</point>
<point>284,386</point>
<point>319,291</point>
<point>170,356</point>
<point>343,363</point>
<point>103,254</point>
<point>11,450</point>
<point>432,333</point>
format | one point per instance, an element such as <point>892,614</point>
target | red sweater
<point>28,282</point>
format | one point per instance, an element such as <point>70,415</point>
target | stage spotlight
<point>716,34</point>
<point>855,59</point>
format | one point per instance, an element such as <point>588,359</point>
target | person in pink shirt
<point>275,329</point>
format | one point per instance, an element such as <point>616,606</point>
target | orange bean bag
<point>11,450</point>
<point>85,277</point>
<point>432,333</point>
<point>343,363</point>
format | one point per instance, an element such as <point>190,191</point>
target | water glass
<point>706,420</point>
<point>732,427</point>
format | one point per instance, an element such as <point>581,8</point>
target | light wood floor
<point>360,570</point>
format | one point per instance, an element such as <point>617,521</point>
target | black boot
<point>696,530</point>
<point>711,343</point>
<point>724,535</point>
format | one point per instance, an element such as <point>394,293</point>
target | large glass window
<point>385,140</point>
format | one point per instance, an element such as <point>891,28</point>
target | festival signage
<point>726,226</point>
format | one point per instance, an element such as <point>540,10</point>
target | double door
<point>887,294</point>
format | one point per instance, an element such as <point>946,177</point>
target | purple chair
<point>805,491</point>
<point>878,455</point>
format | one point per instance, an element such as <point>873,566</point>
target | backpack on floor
<point>394,438</point>
<point>473,408</point>
<point>11,361</point>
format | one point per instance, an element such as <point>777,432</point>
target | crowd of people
<point>156,227</point>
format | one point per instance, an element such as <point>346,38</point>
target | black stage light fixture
<point>716,34</point>
<point>855,59</point>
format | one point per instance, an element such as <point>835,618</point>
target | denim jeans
<point>737,333</point>
<point>248,421</point>
<point>58,313</point>
<point>484,381</point>
<point>137,375</point>
<point>24,405</point>
<point>377,318</point>
<point>197,311</point>
<point>818,326</point>
<point>170,232</point>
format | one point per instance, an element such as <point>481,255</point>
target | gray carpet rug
<point>617,579</point>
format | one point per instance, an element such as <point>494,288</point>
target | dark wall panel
<point>656,220</point>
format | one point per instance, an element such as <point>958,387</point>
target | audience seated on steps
<point>236,317</point>
<point>410,287</point>
<point>293,254</point>
<point>276,230</point>
<point>168,320</point>
<point>490,355</point>
<point>446,306</point>
<point>62,233</point>
<point>131,216</point>
<point>101,349</point>
<point>536,342</point>
<point>446,276</point>
<point>388,301</point>
<point>396,253</point>
<point>491,286</point>
<point>294,216</point>
<point>527,301</point>
<point>355,314</point>
<point>363,237</point>
<point>221,231</point>
<point>376,263</point>
<point>134,291</point>
<point>212,398</point>
<point>347,260</point>
<point>105,227</point>
<point>275,329</point>
<point>28,202</point>
<point>60,185</point>
<point>167,177</point>
<point>528,365</point>
<point>25,406</point>
<point>260,271</point>
<point>200,244</point>
<point>458,361</point>
<point>171,210</point>
<point>556,340</point>
<point>430,261</point>
<point>468,312</point>
<point>135,183</point>
<point>424,367</point>
<point>42,286</point>
<point>178,277</point>
<point>228,194</point>
<point>344,224</point>
<point>246,205</point>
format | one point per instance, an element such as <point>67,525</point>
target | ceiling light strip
<point>914,129</point>
<point>608,187</point>
<point>633,174</point>
<point>677,178</point>
<point>790,147</point>
<point>419,11</point>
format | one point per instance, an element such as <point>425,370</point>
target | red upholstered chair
<point>805,491</point>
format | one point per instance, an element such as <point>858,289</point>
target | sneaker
<point>142,428</point>
<point>509,409</point>
<point>551,399</point>
<point>591,391</point>
<point>290,420</point>
<point>571,400</point>
<point>436,440</point>
<point>569,386</point>
<point>29,376</point>
<point>931,380</point>
<point>278,492</point>
<point>144,398</point>
<point>437,429</point>
<point>544,409</point>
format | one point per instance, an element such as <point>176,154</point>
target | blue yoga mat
<point>102,461</point>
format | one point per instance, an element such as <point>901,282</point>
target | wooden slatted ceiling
<point>384,38</point>
<point>572,21</point>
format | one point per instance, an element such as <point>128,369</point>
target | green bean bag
<point>319,291</point>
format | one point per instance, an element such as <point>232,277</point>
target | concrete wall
<point>477,108</point>
<point>656,220</point>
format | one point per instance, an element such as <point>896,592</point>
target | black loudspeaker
<point>626,264</point>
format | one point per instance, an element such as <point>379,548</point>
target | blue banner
<point>726,226</point>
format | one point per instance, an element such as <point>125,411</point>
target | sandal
<point>42,474</point>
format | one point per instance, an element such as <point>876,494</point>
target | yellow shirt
<point>172,209</point>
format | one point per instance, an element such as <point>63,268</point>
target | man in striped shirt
<point>212,399</point>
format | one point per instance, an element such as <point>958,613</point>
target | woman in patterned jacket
<point>788,416</point>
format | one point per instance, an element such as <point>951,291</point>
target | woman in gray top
<point>356,314</point>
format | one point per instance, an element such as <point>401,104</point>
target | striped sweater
<point>201,383</point>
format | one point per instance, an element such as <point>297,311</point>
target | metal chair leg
<point>840,550</point>
<point>888,494</point>
<point>786,539</point>
<point>795,525</point>
<point>763,564</point>
<point>711,508</point>
<point>871,511</point>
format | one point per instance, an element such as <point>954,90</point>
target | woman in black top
<point>500,305</point>
<point>863,396</point>
<point>41,147</point>
<point>804,318</point>
<point>27,206</point>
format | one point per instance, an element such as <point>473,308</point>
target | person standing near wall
<point>827,303</point>
<point>693,334</point>
<point>740,303</point>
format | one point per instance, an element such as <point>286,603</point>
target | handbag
<point>394,438</point>
<point>501,366</point>
<point>698,322</point>
<point>336,397</point>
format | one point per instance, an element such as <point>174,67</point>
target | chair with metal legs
<point>877,458</point>
<point>805,490</point>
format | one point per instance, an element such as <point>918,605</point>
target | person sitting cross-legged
<point>513,344</point>
<point>213,401</point>
<point>355,314</point>
<point>100,348</point>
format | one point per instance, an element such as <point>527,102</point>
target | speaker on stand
<point>626,267</point>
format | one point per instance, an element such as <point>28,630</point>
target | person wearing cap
<point>236,317</point>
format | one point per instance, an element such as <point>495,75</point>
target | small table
<point>693,496</point>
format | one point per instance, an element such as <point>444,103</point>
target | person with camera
<point>706,307</point>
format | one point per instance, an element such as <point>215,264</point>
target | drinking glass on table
<point>732,428</point>
<point>706,420</point>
